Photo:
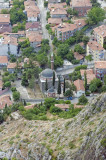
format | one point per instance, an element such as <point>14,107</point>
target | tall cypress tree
<point>59,86</point>
<point>53,78</point>
<point>85,81</point>
<point>64,86</point>
<point>46,85</point>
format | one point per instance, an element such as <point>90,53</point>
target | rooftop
<point>54,20</point>
<point>5,100</point>
<point>4,18</point>
<point>63,106</point>
<point>3,59</point>
<point>34,36</point>
<point>79,85</point>
<point>58,11</point>
<point>13,65</point>
<point>78,56</point>
<point>101,30</point>
<point>81,3</point>
<point>32,25</point>
<point>95,46</point>
<point>100,64</point>
<point>47,73</point>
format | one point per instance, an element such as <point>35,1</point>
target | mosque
<point>47,75</point>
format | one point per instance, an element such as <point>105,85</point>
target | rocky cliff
<point>79,138</point>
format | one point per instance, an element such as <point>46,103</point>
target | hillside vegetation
<point>78,138</point>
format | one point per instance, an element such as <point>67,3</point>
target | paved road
<point>22,90</point>
<point>70,70</point>
<point>43,12</point>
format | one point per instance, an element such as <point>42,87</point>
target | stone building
<point>47,74</point>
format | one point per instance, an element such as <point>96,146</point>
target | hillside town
<point>51,49</point>
<point>52,79</point>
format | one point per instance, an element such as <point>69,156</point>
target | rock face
<point>79,138</point>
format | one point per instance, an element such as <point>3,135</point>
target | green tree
<point>13,89</point>
<point>79,49</point>
<point>93,87</point>
<point>68,93</point>
<point>49,102</point>
<point>7,84</point>
<point>4,11</point>
<point>16,95</point>
<point>25,103</point>
<point>58,62</point>
<point>80,67</point>
<point>82,100</point>
<point>104,79</point>
<point>53,78</point>
<point>85,81</point>
<point>46,85</point>
<point>64,88</point>
<point>97,82</point>
<point>32,83</point>
<point>59,87</point>
<point>85,40</point>
<point>89,58</point>
<point>63,50</point>
<point>45,3</point>
<point>95,15</point>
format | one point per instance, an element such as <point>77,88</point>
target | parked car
<point>69,98</point>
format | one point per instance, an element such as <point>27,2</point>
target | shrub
<point>71,145</point>
<point>103,142</point>
<point>83,100</point>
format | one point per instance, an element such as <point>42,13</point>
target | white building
<point>80,90</point>
<point>8,45</point>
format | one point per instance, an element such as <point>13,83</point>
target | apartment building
<point>8,45</point>
<point>35,39</point>
<point>96,50</point>
<point>65,30</point>
<point>82,6</point>
<point>100,34</point>
<point>32,11</point>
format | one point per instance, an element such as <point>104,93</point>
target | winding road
<point>43,12</point>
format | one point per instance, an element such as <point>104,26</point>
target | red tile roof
<point>4,18</point>
<point>3,59</point>
<point>88,71</point>
<point>95,46</point>
<point>79,85</point>
<point>29,106</point>
<point>78,56</point>
<point>5,100</point>
<point>32,25</point>
<point>100,64</point>
<point>101,30</point>
<point>62,106</point>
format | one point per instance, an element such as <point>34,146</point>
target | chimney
<point>52,62</point>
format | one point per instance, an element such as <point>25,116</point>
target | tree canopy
<point>95,15</point>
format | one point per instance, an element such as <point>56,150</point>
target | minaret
<point>52,62</point>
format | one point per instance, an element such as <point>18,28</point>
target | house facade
<point>8,45</point>
<point>82,6</point>
<point>35,39</point>
<point>100,34</point>
<point>64,31</point>
<point>58,13</point>
<point>100,69</point>
<point>3,61</point>
<point>80,90</point>
<point>96,50</point>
